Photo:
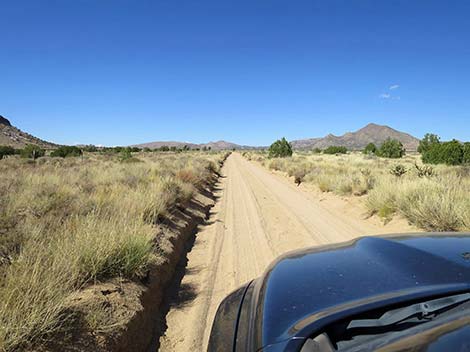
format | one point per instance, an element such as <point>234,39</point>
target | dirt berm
<point>132,308</point>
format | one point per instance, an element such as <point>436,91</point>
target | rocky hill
<point>219,145</point>
<point>374,133</point>
<point>14,137</point>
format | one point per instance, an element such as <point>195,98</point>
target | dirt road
<point>258,216</point>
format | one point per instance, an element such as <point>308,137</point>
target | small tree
<point>280,149</point>
<point>6,150</point>
<point>391,148</point>
<point>451,153</point>
<point>370,149</point>
<point>90,148</point>
<point>316,150</point>
<point>427,142</point>
<point>334,149</point>
<point>466,153</point>
<point>67,151</point>
<point>32,151</point>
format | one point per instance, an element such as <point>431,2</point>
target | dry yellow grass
<point>440,202</point>
<point>68,222</point>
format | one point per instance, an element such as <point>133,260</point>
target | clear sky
<point>249,71</point>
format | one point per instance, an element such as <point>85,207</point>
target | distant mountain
<point>219,145</point>
<point>374,133</point>
<point>14,137</point>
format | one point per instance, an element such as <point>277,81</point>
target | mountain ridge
<point>214,145</point>
<point>357,140</point>
<point>16,138</point>
<point>371,133</point>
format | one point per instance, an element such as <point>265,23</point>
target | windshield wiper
<point>424,310</point>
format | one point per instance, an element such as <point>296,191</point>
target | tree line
<point>33,151</point>
<point>432,150</point>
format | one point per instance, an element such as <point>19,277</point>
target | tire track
<point>258,216</point>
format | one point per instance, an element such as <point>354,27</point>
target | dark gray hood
<point>309,289</point>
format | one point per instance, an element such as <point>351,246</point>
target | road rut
<point>258,216</point>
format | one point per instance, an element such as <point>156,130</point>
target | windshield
<point>384,325</point>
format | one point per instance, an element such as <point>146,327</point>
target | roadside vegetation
<point>431,190</point>
<point>67,222</point>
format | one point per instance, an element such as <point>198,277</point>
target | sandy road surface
<point>258,216</point>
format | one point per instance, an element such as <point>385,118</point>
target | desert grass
<point>439,202</point>
<point>65,223</point>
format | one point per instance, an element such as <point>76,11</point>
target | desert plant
<point>6,150</point>
<point>90,148</point>
<point>280,149</point>
<point>125,154</point>
<point>427,142</point>
<point>299,175</point>
<point>466,153</point>
<point>433,151</point>
<point>335,150</point>
<point>424,170</point>
<point>450,153</point>
<point>32,151</point>
<point>368,178</point>
<point>67,151</point>
<point>398,170</point>
<point>370,149</point>
<point>391,148</point>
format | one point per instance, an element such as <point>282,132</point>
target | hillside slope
<point>14,137</point>
<point>219,145</point>
<point>374,133</point>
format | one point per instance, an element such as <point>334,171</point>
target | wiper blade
<point>422,310</point>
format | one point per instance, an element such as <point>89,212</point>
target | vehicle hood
<point>311,288</point>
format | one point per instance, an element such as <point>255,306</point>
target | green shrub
<point>90,148</point>
<point>391,148</point>
<point>466,153</point>
<point>280,149</point>
<point>370,149</point>
<point>32,151</point>
<point>316,150</point>
<point>450,153</point>
<point>6,150</point>
<point>125,155</point>
<point>427,142</point>
<point>67,151</point>
<point>335,150</point>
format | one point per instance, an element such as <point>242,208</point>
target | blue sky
<point>121,72</point>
